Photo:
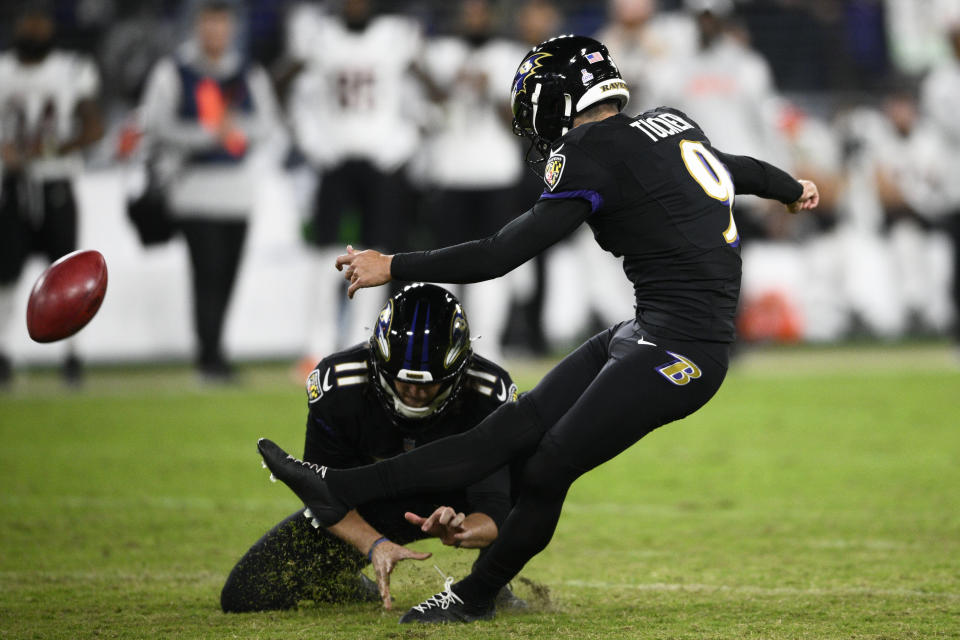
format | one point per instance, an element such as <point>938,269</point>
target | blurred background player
<point>206,108</point>
<point>726,87</point>
<point>353,111</point>
<point>48,116</point>
<point>641,37</point>
<point>474,192</point>
<point>536,20</point>
<point>940,96</point>
<point>414,381</point>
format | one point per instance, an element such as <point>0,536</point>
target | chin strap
<point>542,148</point>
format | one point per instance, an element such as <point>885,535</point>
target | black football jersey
<point>662,199</point>
<point>348,426</point>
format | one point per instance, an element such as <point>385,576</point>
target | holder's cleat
<point>507,599</point>
<point>306,480</point>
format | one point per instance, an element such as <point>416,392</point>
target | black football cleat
<point>306,480</point>
<point>367,589</point>
<point>447,606</point>
<point>507,599</point>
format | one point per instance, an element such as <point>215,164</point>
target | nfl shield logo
<point>553,170</point>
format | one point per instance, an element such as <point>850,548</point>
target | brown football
<point>66,296</point>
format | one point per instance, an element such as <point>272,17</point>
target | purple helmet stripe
<point>408,356</point>
<point>424,355</point>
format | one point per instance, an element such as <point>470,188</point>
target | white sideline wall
<point>146,314</point>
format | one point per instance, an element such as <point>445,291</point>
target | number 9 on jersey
<point>713,178</point>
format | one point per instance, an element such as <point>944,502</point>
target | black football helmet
<point>557,80</point>
<point>422,337</point>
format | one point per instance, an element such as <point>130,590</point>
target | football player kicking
<point>417,380</point>
<point>654,191</point>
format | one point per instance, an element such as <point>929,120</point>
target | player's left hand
<point>444,523</point>
<point>385,558</point>
<point>809,199</point>
<point>364,269</point>
<point>455,529</point>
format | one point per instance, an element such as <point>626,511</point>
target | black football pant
<point>382,203</point>
<point>459,215</point>
<point>294,562</point>
<point>215,249</point>
<point>952,227</point>
<point>602,398</point>
<point>35,217</point>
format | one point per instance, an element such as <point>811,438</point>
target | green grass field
<point>817,496</point>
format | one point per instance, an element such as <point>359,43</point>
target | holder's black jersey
<point>348,426</point>
<point>655,192</point>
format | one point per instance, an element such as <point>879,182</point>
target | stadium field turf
<point>817,496</point>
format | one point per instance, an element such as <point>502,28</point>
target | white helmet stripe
<point>535,99</point>
<point>612,88</point>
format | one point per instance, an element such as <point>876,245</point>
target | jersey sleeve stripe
<point>345,381</point>
<point>482,388</point>
<point>594,198</point>
<point>482,375</point>
<point>349,366</point>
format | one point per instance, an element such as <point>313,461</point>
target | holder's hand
<point>456,529</point>
<point>809,199</point>
<point>385,558</point>
<point>364,269</point>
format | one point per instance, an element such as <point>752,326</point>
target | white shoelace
<point>318,469</point>
<point>442,600</point>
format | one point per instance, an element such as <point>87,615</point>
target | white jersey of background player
<point>940,101</point>
<point>48,114</point>
<point>640,38</point>
<point>355,99</point>
<point>41,100</point>
<point>940,104</point>
<point>470,120</point>
<point>882,276</point>
<point>725,86</point>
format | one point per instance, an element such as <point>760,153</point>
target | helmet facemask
<point>403,410</point>
<point>545,117</point>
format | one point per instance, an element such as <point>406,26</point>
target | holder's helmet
<point>422,337</point>
<point>559,79</point>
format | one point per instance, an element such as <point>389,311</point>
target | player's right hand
<point>363,269</point>
<point>385,557</point>
<point>809,199</point>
